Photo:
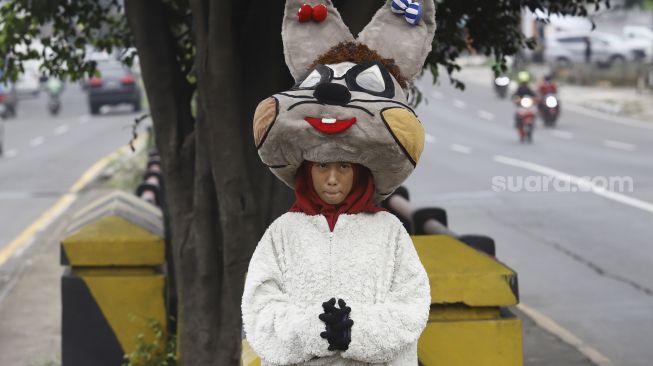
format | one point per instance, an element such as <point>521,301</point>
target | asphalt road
<point>44,155</point>
<point>584,258</point>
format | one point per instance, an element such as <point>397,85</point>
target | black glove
<point>338,324</point>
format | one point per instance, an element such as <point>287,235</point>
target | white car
<point>566,48</point>
<point>638,32</point>
<point>641,37</point>
<point>28,82</point>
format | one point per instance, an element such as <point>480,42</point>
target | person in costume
<point>337,280</point>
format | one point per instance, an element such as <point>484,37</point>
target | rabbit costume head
<point>349,100</point>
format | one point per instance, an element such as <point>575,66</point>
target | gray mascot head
<point>349,100</point>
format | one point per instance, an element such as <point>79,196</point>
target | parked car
<point>566,48</point>
<point>641,37</point>
<point>638,32</point>
<point>116,84</point>
<point>8,100</point>
<point>29,82</point>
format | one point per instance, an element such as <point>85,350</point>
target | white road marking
<point>609,118</point>
<point>83,119</point>
<point>568,337</point>
<point>36,141</point>
<point>486,115</point>
<point>619,145</point>
<point>458,103</point>
<point>11,153</point>
<point>437,95</point>
<point>430,138</point>
<point>583,183</point>
<point>562,134</point>
<point>461,149</point>
<point>61,130</point>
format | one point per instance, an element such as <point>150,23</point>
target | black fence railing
<point>431,221</point>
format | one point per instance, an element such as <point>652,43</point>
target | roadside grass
<point>126,172</point>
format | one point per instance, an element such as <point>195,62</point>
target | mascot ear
<point>402,30</point>
<point>308,34</point>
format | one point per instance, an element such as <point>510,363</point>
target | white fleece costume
<point>368,260</point>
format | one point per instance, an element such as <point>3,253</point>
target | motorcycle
<point>55,88</point>
<point>525,118</point>
<point>549,109</point>
<point>501,84</point>
<point>8,101</point>
<point>3,109</point>
<point>54,106</point>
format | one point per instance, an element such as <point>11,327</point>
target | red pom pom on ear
<point>319,12</point>
<point>305,13</point>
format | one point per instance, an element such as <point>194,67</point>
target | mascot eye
<point>311,80</point>
<point>320,74</point>
<point>371,79</point>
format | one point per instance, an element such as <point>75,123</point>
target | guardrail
<point>432,221</point>
<point>151,188</point>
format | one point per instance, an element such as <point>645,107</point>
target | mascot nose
<point>332,93</point>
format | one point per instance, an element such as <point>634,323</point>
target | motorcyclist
<point>523,89</point>
<point>548,105</point>
<point>547,86</point>
<point>55,88</point>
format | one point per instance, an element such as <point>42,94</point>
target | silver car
<point>565,49</point>
<point>28,82</point>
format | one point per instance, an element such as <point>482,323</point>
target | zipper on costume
<point>330,269</point>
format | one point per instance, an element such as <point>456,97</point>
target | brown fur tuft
<point>358,53</point>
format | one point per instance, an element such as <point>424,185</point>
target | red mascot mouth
<point>330,126</point>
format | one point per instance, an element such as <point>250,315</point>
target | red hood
<point>360,199</point>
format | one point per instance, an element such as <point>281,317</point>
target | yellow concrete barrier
<point>469,323</point>
<point>113,283</point>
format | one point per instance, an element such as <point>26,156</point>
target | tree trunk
<point>225,99</point>
<point>169,96</point>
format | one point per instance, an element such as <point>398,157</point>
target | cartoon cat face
<point>345,111</point>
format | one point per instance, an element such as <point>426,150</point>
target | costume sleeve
<point>382,330</point>
<point>280,331</point>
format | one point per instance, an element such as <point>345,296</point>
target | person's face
<point>332,181</point>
